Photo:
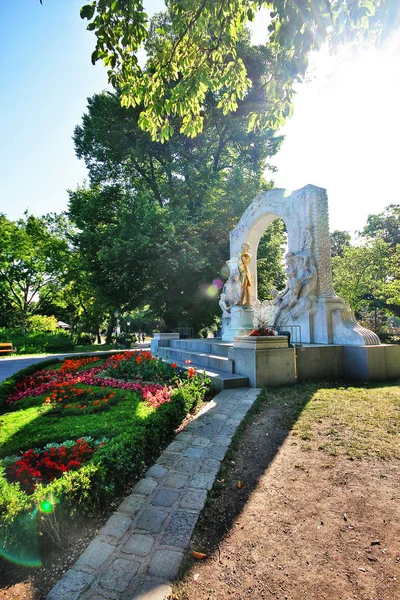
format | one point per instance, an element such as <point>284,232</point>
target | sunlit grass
<point>358,422</point>
<point>29,426</point>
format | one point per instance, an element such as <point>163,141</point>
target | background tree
<point>340,240</point>
<point>33,261</point>
<point>368,275</point>
<point>154,224</point>
<point>270,267</point>
<point>385,226</point>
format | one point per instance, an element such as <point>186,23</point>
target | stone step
<point>202,359</point>
<point>209,345</point>
<point>220,380</point>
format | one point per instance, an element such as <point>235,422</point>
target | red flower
<point>173,365</point>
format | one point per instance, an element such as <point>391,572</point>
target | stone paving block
<point>187,466</point>
<point>167,459</point>
<point>222,440</point>
<point>193,426</point>
<point>233,422</point>
<point>211,430</point>
<point>131,505</point>
<point>152,590</point>
<point>228,430</point>
<point>116,526</point>
<point>232,404</point>
<point>200,442</point>
<point>193,452</point>
<point>95,592</point>
<point>119,575</point>
<point>145,486</point>
<point>165,564</point>
<point>246,402</point>
<point>165,498</point>
<point>210,466</point>
<point>152,520</point>
<point>239,414</point>
<point>184,436</point>
<point>202,481</point>
<point>220,417</point>
<point>95,554</point>
<point>156,472</point>
<point>193,500</point>
<point>71,586</point>
<point>175,481</point>
<point>224,410</point>
<point>138,544</point>
<point>176,447</point>
<point>179,529</point>
<point>216,452</point>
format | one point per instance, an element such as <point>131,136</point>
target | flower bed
<point>132,403</point>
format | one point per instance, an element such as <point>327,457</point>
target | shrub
<point>39,342</point>
<point>84,339</point>
<point>42,324</point>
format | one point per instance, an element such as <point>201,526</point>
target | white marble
<point>308,304</point>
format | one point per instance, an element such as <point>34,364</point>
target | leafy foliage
<point>33,258</point>
<point>193,50</point>
<point>153,225</point>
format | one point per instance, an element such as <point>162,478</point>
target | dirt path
<point>304,525</point>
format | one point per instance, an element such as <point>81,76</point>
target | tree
<point>270,269</point>
<point>33,260</point>
<point>154,223</point>
<point>385,226</point>
<point>195,52</point>
<point>340,240</point>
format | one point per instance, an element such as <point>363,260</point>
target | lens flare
<point>212,291</point>
<point>218,283</point>
<point>46,506</point>
<point>19,544</point>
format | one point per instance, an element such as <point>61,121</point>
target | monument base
<point>242,322</point>
<point>266,361</point>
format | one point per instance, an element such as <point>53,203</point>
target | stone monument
<point>308,304</point>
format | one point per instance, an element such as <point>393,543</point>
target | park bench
<point>6,348</point>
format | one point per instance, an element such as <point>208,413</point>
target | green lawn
<point>31,424</point>
<point>350,420</point>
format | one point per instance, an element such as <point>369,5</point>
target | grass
<point>31,424</point>
<point>357,421</point>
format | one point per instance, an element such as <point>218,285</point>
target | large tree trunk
<point>109,332</point>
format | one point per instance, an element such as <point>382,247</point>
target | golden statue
<point>245,278</point>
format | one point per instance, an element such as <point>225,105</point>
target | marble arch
<point>309,301</point>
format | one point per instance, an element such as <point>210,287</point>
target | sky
<point>344,134</point>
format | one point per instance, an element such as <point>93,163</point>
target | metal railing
<point>294,332</point>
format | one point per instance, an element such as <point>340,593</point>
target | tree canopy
<point>193,50</point>
<point>33,261</point>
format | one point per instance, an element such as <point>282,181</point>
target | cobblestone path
<point>138,552</point>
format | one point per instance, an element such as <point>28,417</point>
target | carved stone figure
<point>226,312</point>
<point>308,302</point>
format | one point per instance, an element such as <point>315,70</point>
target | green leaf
<point>87,11</point>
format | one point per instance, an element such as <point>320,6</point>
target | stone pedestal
<point>242,322</point>
<point>372,363</point>
<point>266,361</point>
<point>163,340</point>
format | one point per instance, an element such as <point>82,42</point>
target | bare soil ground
<point>288,521</point>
